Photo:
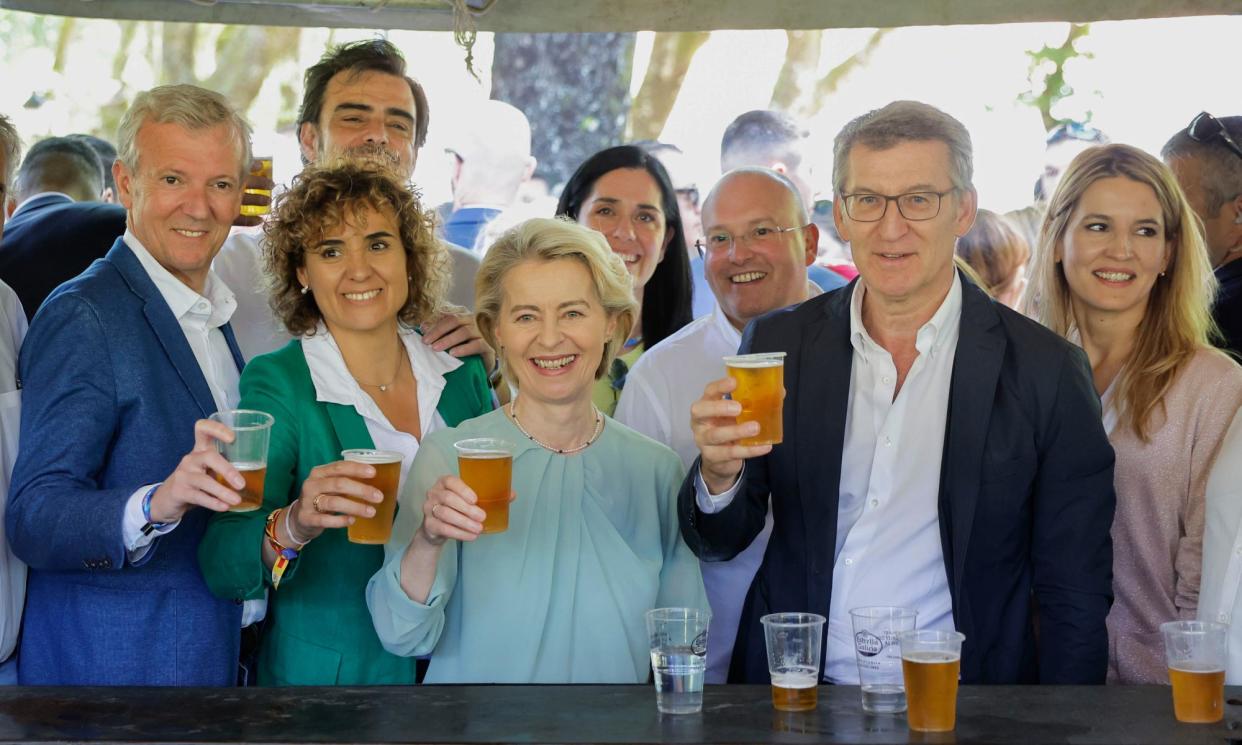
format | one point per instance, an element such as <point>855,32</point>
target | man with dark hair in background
<point>58,226</point>
<point>1206,158</point>
<point>107,156</point>
<point>358,102</point>
<point>774,140</point>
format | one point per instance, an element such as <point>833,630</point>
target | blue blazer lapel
<point>819,423</point>
<point>972,389</point>
<point>164,325</point>
<point>231,340</point>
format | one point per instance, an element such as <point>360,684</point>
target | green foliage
<point>1047,74</point>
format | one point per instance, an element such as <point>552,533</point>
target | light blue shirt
<point>593,543</point>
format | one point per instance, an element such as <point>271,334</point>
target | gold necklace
<point>401,359</point>
<point>599,427</point>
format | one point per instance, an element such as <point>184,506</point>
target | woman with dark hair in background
<point>624,193</point>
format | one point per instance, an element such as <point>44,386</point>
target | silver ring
<point>433,511</point>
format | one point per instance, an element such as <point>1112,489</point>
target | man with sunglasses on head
<point>941,452</point>
<point>1206,158</point>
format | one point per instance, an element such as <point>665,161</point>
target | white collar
<point>335,385</point>
<point>931,336</point>
<point>724,327</point>
<point>216,304</point>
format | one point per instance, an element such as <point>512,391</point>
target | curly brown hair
<point>325,196</point>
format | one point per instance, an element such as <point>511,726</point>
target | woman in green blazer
<point>353,267</point>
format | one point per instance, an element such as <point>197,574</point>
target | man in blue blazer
<point>59,226</point>
<point>940,452</point>
<point>121,368</point>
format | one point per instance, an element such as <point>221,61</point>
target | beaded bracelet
<point>283,554</point>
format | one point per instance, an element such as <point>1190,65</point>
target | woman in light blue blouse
<point>593,540</point>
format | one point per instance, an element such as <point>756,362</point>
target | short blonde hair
<point>1178,319</point>
<point>326,195</point>
<point>188,106</point>
<point>549,239</point>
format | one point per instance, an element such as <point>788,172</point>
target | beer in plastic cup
<point>878,654</point>
<point>794,641</point>
<point>247,452</point>
<point>1195,652</point>
<point>761,392</point>
<point>931,663</point>
<point>263,170</point>
<point>678,638</point>
<point>387,465</point>
<point>486,465</point>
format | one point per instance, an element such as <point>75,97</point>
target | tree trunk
<point>1053,86</point>
<point>62,43</point>
<point>670,60</point>
<point>244,57</point>
<point>574,89</point>
<point>798,90</point>
<point>178,42</point>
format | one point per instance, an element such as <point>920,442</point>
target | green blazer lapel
<point>351,429</point>
<point>466,393</point>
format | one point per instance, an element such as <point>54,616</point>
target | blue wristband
<point>146,512</point>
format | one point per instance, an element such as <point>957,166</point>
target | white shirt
<point>335,385</point>
<point>656,401</point>
<point>200,318</point>
<point>1222,548</point>
<point>12,570</point>
<point>888,549</point>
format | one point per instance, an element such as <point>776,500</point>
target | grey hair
<point>905,121</point>
<point>11,147</point>
<point>189,106</point>
<point>1221,169</point>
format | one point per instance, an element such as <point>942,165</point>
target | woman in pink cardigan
<point>1121,269</point>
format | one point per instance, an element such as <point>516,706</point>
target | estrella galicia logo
<point>699,646</point>
<point>868,644</point>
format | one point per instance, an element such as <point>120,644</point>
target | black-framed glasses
<point>1204,127</point>
<point>914,205</point>
<point>760,235</point>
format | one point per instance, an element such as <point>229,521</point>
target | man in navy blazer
<point>940,452</point>
<point>121,368</point>
<point>59,226</point>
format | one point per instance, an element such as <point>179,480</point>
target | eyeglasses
<point>914,206</point>
<point>758,236</point>
<point>1205,126</point>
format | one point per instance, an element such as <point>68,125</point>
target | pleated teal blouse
<point>559,597</point>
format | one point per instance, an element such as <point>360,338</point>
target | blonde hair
<point>1178,320</point>
<point>188,106</point>
<point>994,250</point>
<point>327,195</point>
<point>550,239</point>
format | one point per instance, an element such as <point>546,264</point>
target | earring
<point>305,289</point>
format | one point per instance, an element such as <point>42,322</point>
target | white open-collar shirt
<point>888,549</point>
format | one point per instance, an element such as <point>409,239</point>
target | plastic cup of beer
<point>678,638</point>
<point>262,167</point>
<point>387,464</point>
<point>761,392</point>
<point>247,452</point>
<point>794,641</point>
<point>931,663</point>
<point>878,654</point>
<point>486,465</point>
<point>1195,651</point>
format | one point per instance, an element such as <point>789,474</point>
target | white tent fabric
<point>626,15</point>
